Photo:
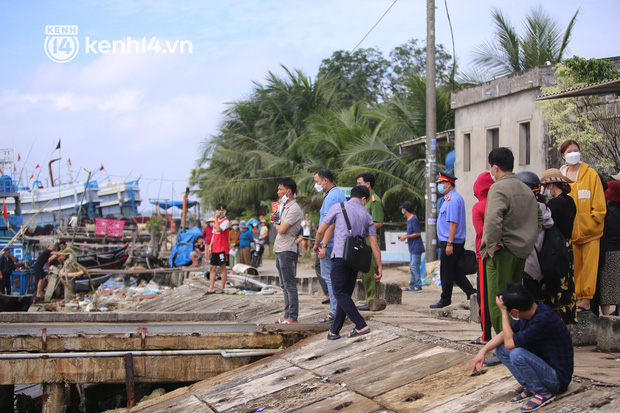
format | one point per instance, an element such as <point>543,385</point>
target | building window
<point>524,143</point>
<point>492,139</point>
<point>467,152</point>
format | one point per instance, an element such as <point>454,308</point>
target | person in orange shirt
<point>219,247</point>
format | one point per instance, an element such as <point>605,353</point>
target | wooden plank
<point>179,404</point>
<point>317,351</point>
<point>111,369</point>
<point>53,398</point>
<point>434,390</point>
<point>236,397</point>
<point>346,401</point>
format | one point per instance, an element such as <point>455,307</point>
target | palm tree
<point>541,41</point>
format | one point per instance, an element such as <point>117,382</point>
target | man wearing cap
<point>451,234</point>
<point>374,206</point>
<point>416,247</point>
<point>219,247</point>
<point>512,221</point>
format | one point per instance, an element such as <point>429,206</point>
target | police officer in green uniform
<point>375,207</point>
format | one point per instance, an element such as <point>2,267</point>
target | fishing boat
<point>10,303</point>
<point>112,260</point>
<point>83,285</point>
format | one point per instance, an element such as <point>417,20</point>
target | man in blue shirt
<point>537,348</point>
<point>451,234</point>
<point>416,247</point>
<point>324,182</point>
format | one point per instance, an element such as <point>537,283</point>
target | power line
<point>373,27</point>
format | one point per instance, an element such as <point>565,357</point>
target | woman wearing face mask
<point>559,293</point>
<point>587,192</point>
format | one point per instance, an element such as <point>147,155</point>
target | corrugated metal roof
<point>606,87</point>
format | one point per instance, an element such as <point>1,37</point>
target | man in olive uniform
<point>375,207</point>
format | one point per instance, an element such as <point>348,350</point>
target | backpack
<point>554,256</point>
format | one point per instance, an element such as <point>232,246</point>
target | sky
<point>142,114</point>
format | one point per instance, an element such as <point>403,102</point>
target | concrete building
<point>502,112</point>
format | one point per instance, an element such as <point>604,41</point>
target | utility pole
<point>431,136</point>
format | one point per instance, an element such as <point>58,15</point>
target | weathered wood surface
<point>166,369</point>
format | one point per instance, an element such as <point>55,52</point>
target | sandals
<point>581,309</point>
<point>479,342</point>
<point>282,321</point>
<point>537,402</point>
<point>327,319</point>
<point>355,333</point>
<point>521,397</point>
<point>331,336</point>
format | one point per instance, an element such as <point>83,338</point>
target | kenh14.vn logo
<point>62,45</point>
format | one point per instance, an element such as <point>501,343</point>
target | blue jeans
<point>532,372</point>
<point>414,266</point>
<point>286,263</point>
<point>326,270</point>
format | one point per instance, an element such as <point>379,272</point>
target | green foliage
<point>349,120</point>
<point>541,40</point>
<point>585,119</point>
<point>588,71</point>
<point>366,75</point>
<point>157,223</point>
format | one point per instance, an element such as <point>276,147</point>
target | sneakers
<point>414,289</point>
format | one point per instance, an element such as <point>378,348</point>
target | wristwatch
<point>450,244</point>
<point>323,245</point>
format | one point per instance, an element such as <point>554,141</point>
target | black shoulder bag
<point>357,254</point>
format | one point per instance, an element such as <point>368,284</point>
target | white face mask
<point>511,316</point>
<point>492,176</point>
<point>573,158</point>
<point>285,198</point>
<point>546,192</point>
<point>222,214</point>
<point>318,188</point>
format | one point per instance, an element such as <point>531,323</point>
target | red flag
<point>1,172</point>
<point>36,166</point>
<point>32,176</point>
<point>102,168</point>
<point>70,162</point>
<point>19,157</point>
<point>14,168</point>
<point>4,211</point>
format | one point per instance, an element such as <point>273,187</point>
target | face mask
<point>403,211</point>
<point>546,192</point>
<point>285,198</point>
<point>318,188</point>
<point>255,225</point>
<point>493,177</point>
<point>514,318</point>
<point>573,158</point>
<point>210,224</point>
<point>235,227</point>
<point>222,214</point>
<point>441,189</point>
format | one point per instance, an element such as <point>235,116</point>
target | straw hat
<point>554,175</point>
<point>212,219</point>
<point>234,222</point>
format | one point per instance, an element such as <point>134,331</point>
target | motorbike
<point>258,248</point>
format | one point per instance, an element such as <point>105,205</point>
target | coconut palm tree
<point>541,41</point>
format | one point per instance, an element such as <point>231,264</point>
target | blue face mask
<point>235,227</point>
<point>441,189</point>
<point>403,211</point>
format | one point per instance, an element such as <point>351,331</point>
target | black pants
<point>343,284</point>
<point>5,285</point>
<point>450,273</point>
<point>483,300</point>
